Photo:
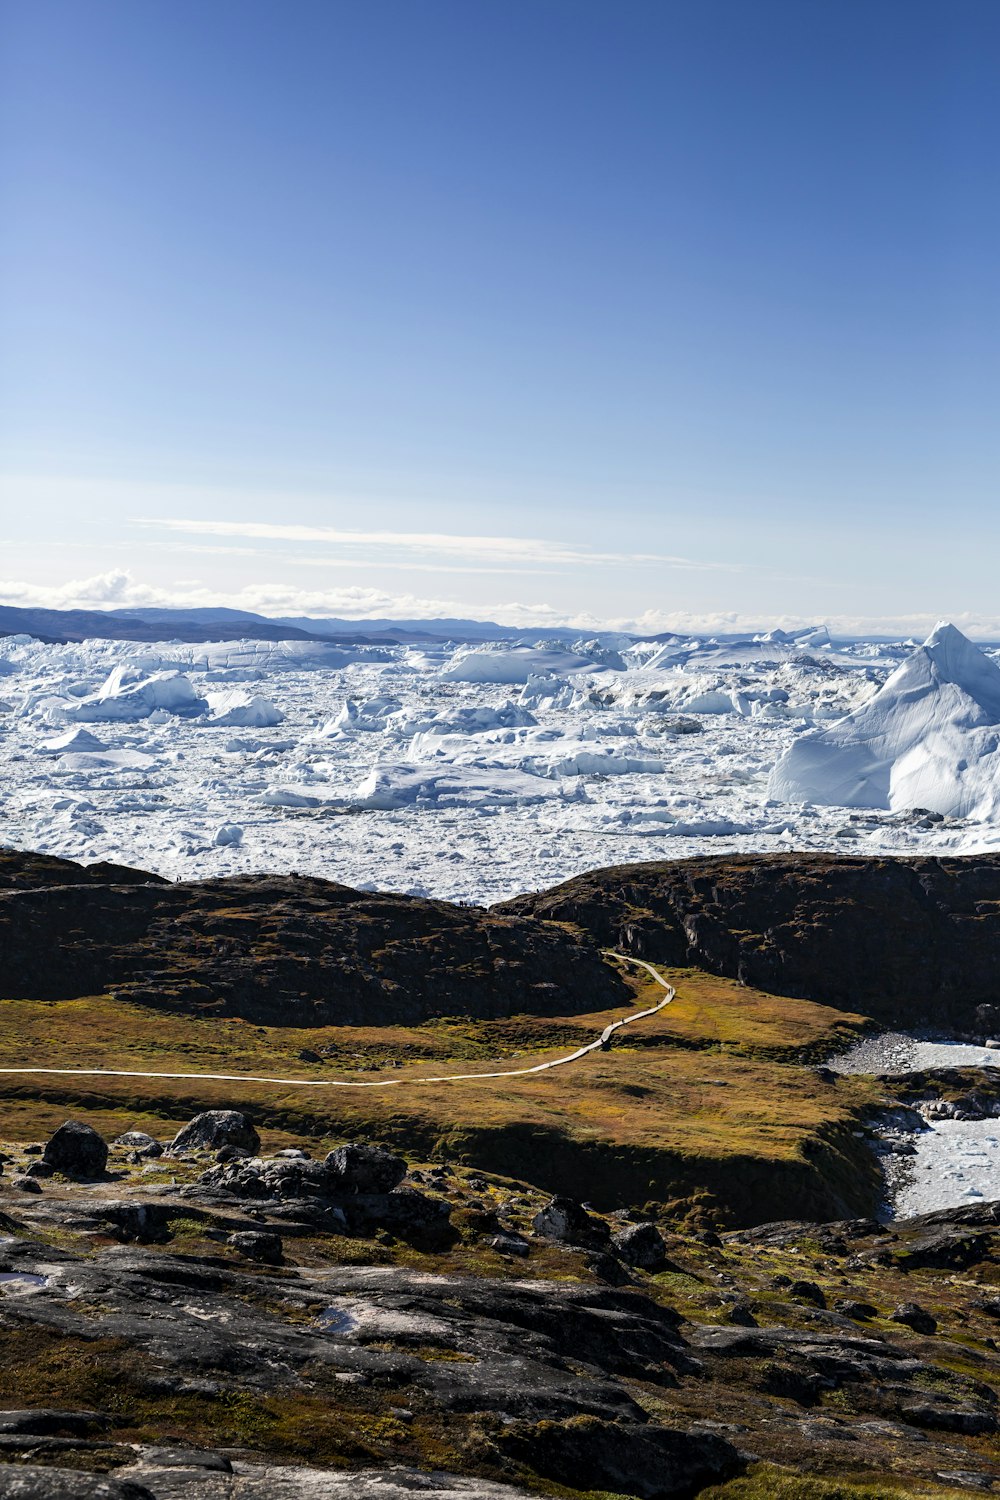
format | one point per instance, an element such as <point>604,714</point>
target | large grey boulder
<point>364,1169</point>
<point>77,1150</point>
<point>214,1128</point>
<point>263,1247</point>
<point>642,1246</point>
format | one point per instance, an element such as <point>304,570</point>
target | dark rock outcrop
<point>285,949</point>
<point>653,1463</point>
<point>35,1482</point>
<point>908,940</point>
<point>357,1168</point>
<point>554,1378</point>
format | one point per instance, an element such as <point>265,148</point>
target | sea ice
<point>386,771</point>
<point>393,786</point>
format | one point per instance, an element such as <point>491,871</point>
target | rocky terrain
<point>192,1319</point>
<point>910,941</point>
<point>558,1288</point>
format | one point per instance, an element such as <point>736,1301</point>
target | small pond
<point>336,1320</point>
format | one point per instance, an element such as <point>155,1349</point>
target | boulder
<point>77,1150</point>
<point>138,1140</point>
<point>642,1246</point>
<point>912,1315</point>
<point>509,1244</point>
<point>261,1247</point>
<point>807,1291</point>
<point>364,1169</point>
<point>214,1128</point>
<point>860,1312</point>
<point>567,1221</point>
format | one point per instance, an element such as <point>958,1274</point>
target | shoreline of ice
<point>949,1163</point>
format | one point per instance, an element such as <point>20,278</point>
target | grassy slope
<point>708,1095</point>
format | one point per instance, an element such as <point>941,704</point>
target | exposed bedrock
<point>287,949</point>
<point>909,940</point>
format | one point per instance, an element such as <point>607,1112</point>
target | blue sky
<point>684,311</point>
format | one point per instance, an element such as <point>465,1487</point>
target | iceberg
<point>128,698</point>
<point>390,785</point>
<point>514,665</point>
<point>929,738</point>
<point>74,741</point>
<point>238,708</point>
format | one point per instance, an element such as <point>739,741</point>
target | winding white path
<point>603,1040</point>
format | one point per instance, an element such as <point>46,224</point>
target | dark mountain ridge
<point>910,941</point>
<point>282,949</point>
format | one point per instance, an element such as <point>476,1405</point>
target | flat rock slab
<point>280,1482</point>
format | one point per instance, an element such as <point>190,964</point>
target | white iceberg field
<point>414,769</point>
<point>928,739</point>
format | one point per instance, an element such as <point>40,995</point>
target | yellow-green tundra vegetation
<point>715,1100</point>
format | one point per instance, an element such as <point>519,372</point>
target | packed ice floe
<point>474,773</point>
<point>940,1162</point>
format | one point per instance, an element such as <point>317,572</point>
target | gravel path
<point>601,1042</point>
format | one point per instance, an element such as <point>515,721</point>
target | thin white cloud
<point>359,564</point>
<point>526,552</point>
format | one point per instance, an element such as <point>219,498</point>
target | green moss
<point>765,1482</point>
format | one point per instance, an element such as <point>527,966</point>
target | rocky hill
<point>909,941</point>
<point>283,949</point>
<point>272,1303</point>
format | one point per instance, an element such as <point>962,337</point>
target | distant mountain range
<point>62,625</point>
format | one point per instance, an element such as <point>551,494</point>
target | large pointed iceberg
<point>929,738</point>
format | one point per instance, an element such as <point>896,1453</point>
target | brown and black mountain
<point>908,940</point>
<point>288,950</point>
